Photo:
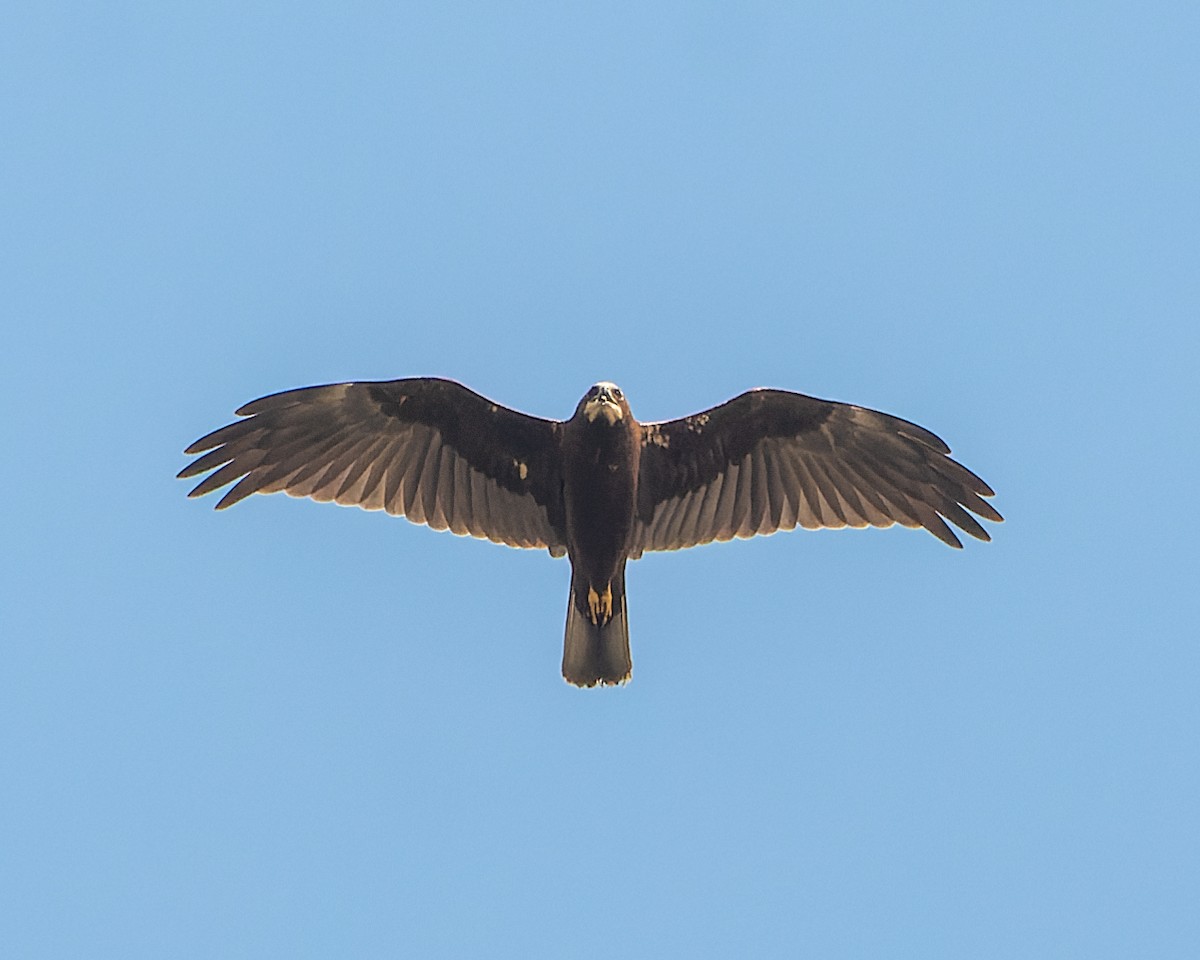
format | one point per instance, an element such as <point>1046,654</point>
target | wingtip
<point>196,493</point>
<point>236,494</point>
<point>947,536</point>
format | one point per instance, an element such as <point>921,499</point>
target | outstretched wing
<point>771,460</point>
<point>427,449</point>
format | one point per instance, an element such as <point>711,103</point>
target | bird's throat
<point>610,412</point>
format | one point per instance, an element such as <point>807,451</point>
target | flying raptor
<point>599,488</point>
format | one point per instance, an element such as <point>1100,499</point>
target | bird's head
<point>605,400</point>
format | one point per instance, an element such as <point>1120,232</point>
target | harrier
<point>599,488</point>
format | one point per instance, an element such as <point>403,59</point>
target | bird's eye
<point>617,394</point>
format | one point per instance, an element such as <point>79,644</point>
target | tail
<point>594,653</point>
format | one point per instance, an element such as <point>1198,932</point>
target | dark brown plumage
<point>600,488</point>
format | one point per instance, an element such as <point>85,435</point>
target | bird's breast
<point>599,487</point>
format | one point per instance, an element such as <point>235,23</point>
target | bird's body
<point>600,461</point>
<point>600,453</point>
<point>600,487</point>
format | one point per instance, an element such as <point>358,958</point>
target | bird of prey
<point>600,488</point>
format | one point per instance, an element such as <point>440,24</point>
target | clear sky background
<point>293,730</point>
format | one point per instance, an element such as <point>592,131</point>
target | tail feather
<point>596,654</point>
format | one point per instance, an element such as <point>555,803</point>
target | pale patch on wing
<point>651,434</point>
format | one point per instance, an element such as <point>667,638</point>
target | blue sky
<point>296,730</point>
